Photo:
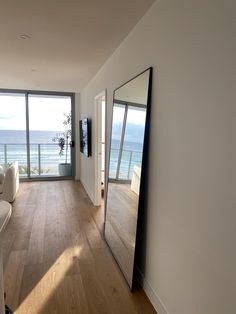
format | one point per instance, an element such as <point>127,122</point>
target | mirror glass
<point>129,121</point>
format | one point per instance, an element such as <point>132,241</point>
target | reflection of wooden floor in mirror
<point>122,212</point>
<point>121,224</point>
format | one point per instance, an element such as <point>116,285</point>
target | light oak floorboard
<point>56,260</point>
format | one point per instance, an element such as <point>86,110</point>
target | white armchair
<point>135,182</point>
<point>9,183</point>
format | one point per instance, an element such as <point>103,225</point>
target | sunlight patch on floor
<point>39,297</point>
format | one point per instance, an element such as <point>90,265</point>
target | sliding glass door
<point>13,143</point>
<point>47,115</point>
<point>36,129</point>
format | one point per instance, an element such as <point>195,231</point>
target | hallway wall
<point>190,236</point>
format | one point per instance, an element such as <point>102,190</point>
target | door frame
<point>97,153</point>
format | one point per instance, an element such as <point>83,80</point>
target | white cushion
<point>1,169</point>
<point>10,184</point>
<point>5,214</point>
<point>2,175</point>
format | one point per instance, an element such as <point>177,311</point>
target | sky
<point>45,112</point>
<point>135,115</point>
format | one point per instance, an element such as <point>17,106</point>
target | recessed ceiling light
<point>24,36</point>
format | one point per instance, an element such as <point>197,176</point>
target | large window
<point>30,126</point>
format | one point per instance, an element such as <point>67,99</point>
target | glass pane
<point>123,190</point>
<point>13,131</point>
<point>133,142</point>
<point>48,117</point>
<point>117,125</point>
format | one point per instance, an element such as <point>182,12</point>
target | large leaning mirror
<point>131,108</point>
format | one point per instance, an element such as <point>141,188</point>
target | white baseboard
<point>88,191</point>
<point>155,300</point>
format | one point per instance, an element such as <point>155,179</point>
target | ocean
<point>19,137</point>
<point>45,157</point>
<point>44,153</point>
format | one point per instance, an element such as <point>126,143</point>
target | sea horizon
<point>19,136</point>
<point>16,150</point>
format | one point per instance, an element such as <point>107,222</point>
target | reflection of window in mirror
<point>127,140</point>
<point>118,123</point>
<point>133,142</point>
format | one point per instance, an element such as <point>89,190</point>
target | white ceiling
<point>69,40</point>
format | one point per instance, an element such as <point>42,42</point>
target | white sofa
<point>9,182</point>
<point>5,214</point>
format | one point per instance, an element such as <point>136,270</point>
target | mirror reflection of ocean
<point>131,156</point>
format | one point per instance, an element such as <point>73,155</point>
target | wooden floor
<point>55,259</point>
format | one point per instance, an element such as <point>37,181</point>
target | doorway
<point>100,148</point>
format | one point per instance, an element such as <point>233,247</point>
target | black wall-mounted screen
<point>85,136</point>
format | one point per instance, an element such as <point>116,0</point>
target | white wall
<point>191,232</point>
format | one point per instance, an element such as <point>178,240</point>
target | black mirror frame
<point>139,251</point>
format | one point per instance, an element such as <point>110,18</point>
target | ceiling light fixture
<point>24,36</point>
